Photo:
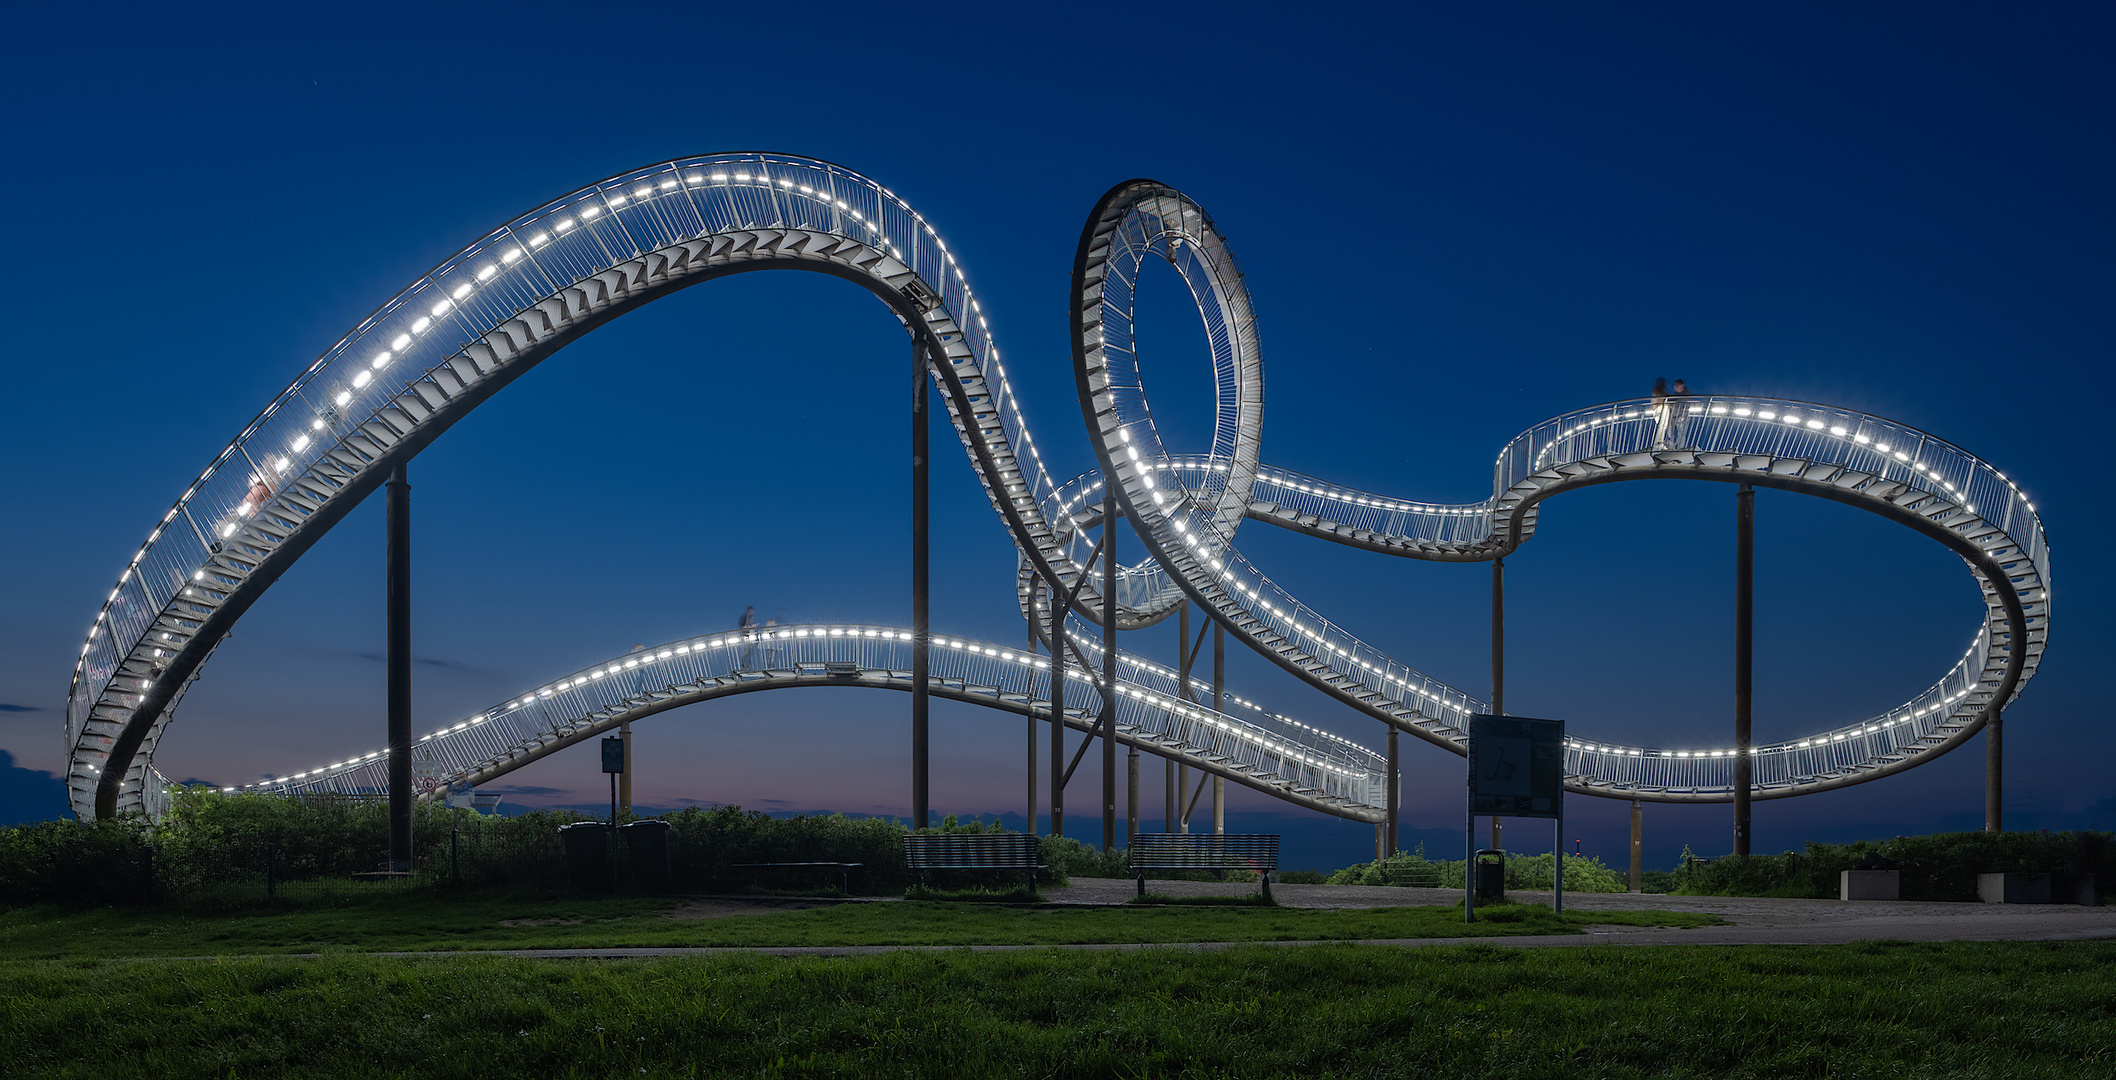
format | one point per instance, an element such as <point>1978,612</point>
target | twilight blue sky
<point>1455,223</point>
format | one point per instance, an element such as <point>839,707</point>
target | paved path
<point>1755,921</point>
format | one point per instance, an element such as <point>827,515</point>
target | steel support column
<point>1109,665</point>
<point>1178,775</point>
<point>1059,610</point>
<point>1219,702</point>
<point>1498,666</point>
<point>1638,876</point>
<point>1744,657</point>
<point>1393,802</point>
<point>397,588</point>
<point>1994,769</point>
<point>1173,790</point>
<point>624,779</point>
<point>1029,822</point>
<point>921,665</point>
<point>1131,794</point>
<point>1498,637</point>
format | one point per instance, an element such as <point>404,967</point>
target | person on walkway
<point>748,626</point>
<point>1661,414</point>
<point>1679,410</point>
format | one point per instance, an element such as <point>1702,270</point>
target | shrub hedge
<point>217,846</point>
<point>232,847</point>
<point>1583,873</point>
<point>1938,866</point>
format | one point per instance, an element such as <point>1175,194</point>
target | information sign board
<point>1516,767</point>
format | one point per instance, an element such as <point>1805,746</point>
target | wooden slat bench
<point>973,851</point>
<point>1180,851</point>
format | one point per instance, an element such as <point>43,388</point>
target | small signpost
<point>1516,770</point>
<point>461,795</point>
<point>428,775</point>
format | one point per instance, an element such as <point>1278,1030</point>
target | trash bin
<point>586,845</point>
<point>646,848</point>
<point>1490,866</point>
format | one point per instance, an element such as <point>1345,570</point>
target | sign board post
<point>613,762</point>
<point>1516,770</point>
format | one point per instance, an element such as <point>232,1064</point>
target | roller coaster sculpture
<point>488,314</point>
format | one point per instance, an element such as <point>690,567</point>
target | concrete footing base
<point>2013,888</point>
<point>1870,885</point>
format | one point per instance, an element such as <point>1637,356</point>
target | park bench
<point>1228,851</point>
<point>973,851</point>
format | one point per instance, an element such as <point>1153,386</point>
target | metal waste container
<point>1490,869</point>
<point>646,848</point>
<point>586,845</point>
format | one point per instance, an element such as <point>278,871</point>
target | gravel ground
<point>1753,919</point>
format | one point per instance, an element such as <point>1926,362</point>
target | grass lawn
<point>421,921</point>
<point>2009,1010</point>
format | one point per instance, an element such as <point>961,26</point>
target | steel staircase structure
<point>1186,510</point>
<point>1302,765</point>
<point>486,315</point>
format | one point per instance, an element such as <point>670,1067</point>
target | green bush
<point>222,847</point>
<point>1375,873</point>
<point>213,843</point>
<point>705,846</point>
<point>1938,866</point>
<point>1071,858</point>
<point>1745,875</point>
<point>1583,873</point>
<point>91,862</point>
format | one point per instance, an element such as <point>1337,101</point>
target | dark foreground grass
<point>1880,1010</point>
<point>1255,899</point>
<point>438,922</point>
<point>1019,894</point>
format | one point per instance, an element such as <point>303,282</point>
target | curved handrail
<point>1280,757</point>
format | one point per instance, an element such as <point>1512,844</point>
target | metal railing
<point>1269,752</point>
